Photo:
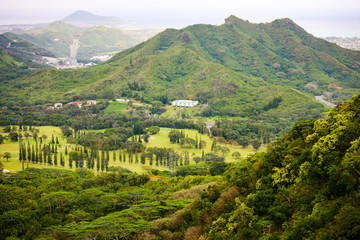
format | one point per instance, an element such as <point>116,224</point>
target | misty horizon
<point>321,18</point>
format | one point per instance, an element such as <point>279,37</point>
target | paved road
<point>321,99</point>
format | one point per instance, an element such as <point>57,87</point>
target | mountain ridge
<point>85,19</point>
<point>237,68</point>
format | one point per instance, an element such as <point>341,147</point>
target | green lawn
<point>116,107</point>
<point>170,111</point>
<point>158,140</point>
<point>162,140</point>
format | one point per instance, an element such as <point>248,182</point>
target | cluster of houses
<point>175,103</point>
<point>78,104</point>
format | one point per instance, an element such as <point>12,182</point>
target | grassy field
<point>159,140</point>
<point>116,107</point>
<point>162,140</point>
<point>170,111</point>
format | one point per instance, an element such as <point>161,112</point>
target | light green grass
<point>170,111</point>
<point>116,107</point>
<point>160,139</point>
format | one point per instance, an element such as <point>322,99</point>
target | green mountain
<point>239,69</point>
<point>12,67</point>
<point>15,45</point>
<point>57,36</point>
<point>306,186</point>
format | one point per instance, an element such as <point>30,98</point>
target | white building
<point>122,100</point>
<point>58,105</point>
<point>184,103</point>
<point>91,102</point>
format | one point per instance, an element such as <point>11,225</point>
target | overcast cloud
<point>319,17</point>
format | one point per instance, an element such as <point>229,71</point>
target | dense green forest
<point>306,185</point>
<point>238,68</point>
<point>12,67</point>
<point>58,204</point>
<point>255,84</point>
<point>257,72</point>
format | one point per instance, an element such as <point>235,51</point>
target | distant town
<point>352,43</point>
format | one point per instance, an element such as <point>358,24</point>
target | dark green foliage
<point>13,136</point>
<point>306,186</point>
<point>61,204</point>
<point>153,130</point>
<point>15,45</point>
<point>254,71</point>
<point>12,67</point>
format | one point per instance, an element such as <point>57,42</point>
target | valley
<point>233,131</point>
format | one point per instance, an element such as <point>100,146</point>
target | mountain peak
<point>85,19</point>
<point>234,19</point>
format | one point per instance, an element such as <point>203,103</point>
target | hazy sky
<point>319,17</point>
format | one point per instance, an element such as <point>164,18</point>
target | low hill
<point>12,67</point>
<point>86,19</point>
<point>15,45</point>
<point>57,36</point>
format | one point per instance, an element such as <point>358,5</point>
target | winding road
<point>321,99</point>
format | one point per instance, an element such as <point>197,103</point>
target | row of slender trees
<point>96,159</point>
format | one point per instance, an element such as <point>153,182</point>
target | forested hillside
<point>207,62</point>
<point>58,204</point>
<point>306,186</point>
<point>15,45</point>
<point>12,67</point>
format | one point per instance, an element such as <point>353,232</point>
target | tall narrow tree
<point>70,162</point>
<point>20,151</point>
<point>97,164</point>
<point>37,154</point>
<point>49,161</point>
<point>32,154</point>
<point>62,163</point>
<point>40,156</point>
<point>102,160</point>
<point>28,152</point>
<point>55,159</point>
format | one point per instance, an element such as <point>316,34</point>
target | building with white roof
<point>184,103</point>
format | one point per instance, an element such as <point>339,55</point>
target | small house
<point>58,105</point>
<point>91,102</point>
<point>78,104</point>
<point>122,100</point>
<point>184,103</point>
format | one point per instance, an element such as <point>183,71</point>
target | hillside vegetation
<point>57,36</point>
<point>12,67</point>
<point>263,71</point>
<point>15,45</point>
<point>306,186</point>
